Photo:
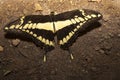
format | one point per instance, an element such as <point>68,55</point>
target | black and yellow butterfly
<point>44,28</point>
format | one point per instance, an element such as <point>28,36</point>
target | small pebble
<point>15,42</point>
<point>108,47</point>
<point>97,48</point>
<point>61,0</point>
<point>25,11</point>
<point>38,7</point>
<point>84,71</point>
<point>1,48</point>
<point>110,34</point>
<point>53,72</point>
<point>6,72</point>
<point>118,35</point>
<point>106,36</point>
<point>94,68</point>
<point>101,51</point>
<point>118,54</point>
<point>95,1</point>
<point>100,29</point>
<point>40,0</point>
<point>106,17</point>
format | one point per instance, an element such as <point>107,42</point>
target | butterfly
<point>65,27</point>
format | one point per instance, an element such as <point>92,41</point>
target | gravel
<point>15,42</point>
<point>1,48</point>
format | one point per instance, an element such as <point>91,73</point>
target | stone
<point>37,7</point>
<point>95,1</point>
<point>110,34</point>
<point>100,29</point>
<point>6,72</point>
<point>1,48</point>
<point>108,47</point>
<point>118,35</point>
<point>15,42</point>
<point>97,48</point>
<point>25,11</point>
<point>101,51</point>
<point>94,68</point>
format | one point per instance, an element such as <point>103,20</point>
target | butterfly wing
<point>39,27</point>
<point>69,24</point>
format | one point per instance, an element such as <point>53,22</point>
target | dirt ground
<point>96,53</point>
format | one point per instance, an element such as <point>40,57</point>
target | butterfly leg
<point>45,55</point>
<point>45,58</point>
<point>71,55</point>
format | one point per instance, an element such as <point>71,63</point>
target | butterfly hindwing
<point>39,27</point>
<point>69,24</point>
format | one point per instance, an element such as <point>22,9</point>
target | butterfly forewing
<point>39,27</point>
<point>69,24</point>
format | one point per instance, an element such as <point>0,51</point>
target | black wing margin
<point>70,24</point>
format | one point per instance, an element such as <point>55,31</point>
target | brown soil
<point>96,53</point>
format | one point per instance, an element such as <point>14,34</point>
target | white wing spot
<point>83,12</point>
<point>43,40</point>
<point>73,21</point>
<point>25,26</point>
<point>78,26</point>
<point>70,34</point>
<point>81,24</point>
<point>77,20</point>
<point>27,31</point>
<point>93,15</point>
<point>23,30</point>
<point>76,16</point>
<point>30,26</point>
<point>64,40</point>
<point>34,35</point>
<point>20,27</point>
<point>47,42</point>
<point>80,18</point>
<point>31,32</point>
<point>34,26</point>
<point>51,43</point>
<point>60,42</point>
<point>99,15</point>
<point>22,20</point>
<point>88,16</point>
<point>6,28</point>
<point>67,38</point>
<point>75,29</point>
<point>40,38</point>
<point>29,21</point>
<point>12,27</point>
<point>17,26</point>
